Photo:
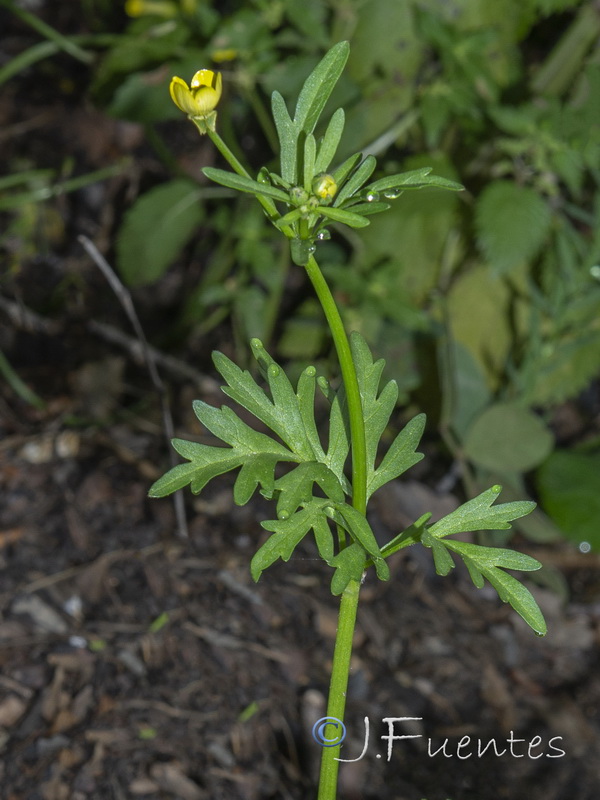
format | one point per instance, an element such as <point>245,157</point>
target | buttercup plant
<point>315,493</point>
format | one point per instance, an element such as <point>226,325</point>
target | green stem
<point>355,409</point>
<point>349,602</point>
<point>266,202</point>
<point>336,703</point>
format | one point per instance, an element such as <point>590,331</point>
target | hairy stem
<point>349,602</point>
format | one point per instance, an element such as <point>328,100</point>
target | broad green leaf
<point>569,484</point>
<point>469,394</point>
<point>478,514</point>
<point>330,141</point>
<point>155,229</point>
<point>318,87</point>
<point>414,179</point>
<point>508,438</point>
<point>347,217</point>
<point>349,566</point>
<point>356,181</point>
<point>288,131</point>
<point>243,184</point>
<point>512,224</point>
<point>479,310</point>
<point>287,534</point>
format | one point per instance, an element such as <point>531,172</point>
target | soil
<point>137,662</point>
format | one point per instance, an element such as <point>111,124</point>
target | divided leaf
<point>349,566</point>
<point>255,451</point>
<point>487,562</point>
<point>479,515</point>
<point>378,407</point>
<point>288,533</point>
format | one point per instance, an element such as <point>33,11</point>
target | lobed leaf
<point>489,562</point>
<point>401,455</point>
<point>378,407</point>
<point>282,415</point>
<point>358,527</point>
<point>349,563</point>
<point>296,488</point>
<point>339,433</point>
<point>287,534</point>
<point>478,515</point>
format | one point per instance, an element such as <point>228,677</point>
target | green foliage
<point>155,229</point>
<point>312,493</point>
<point>512,224</point>
<point>310,209</point>
<point>508,438</point>
<point>487,562</point>
<point>504,107</point>
<point>568,486</point>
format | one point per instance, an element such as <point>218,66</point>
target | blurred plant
<point>315,493</point>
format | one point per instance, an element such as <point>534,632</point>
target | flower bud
<point>201,98</point>
<point>324,187</point>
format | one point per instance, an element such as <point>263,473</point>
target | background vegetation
<point>489,300</point>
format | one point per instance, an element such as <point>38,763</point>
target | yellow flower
<point>227,54</point>
<point>201,98</point>
<point>138,8</point>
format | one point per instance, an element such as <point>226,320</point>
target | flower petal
<point>182,96</point>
